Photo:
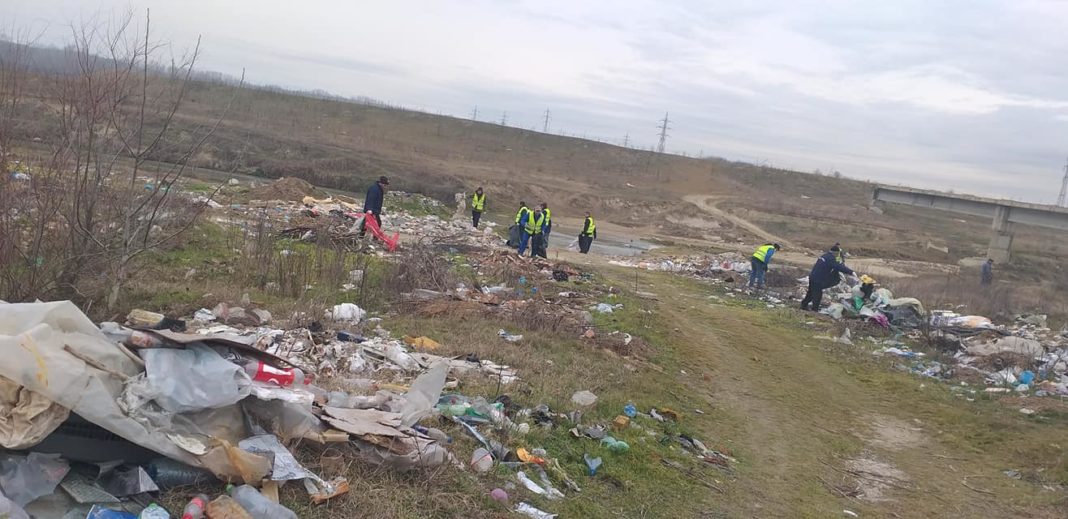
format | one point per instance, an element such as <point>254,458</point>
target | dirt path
<point>710,205</point>
<point>819,428</point>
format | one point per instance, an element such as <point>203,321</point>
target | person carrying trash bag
<point>518,235</point>
<point>373,202</point>
<point>825,274</point>
<point>759,261</point>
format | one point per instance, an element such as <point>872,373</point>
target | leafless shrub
<point>97,202</point>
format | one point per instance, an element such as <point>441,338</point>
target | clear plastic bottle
<point>258,506</point>
<point>196,507</point>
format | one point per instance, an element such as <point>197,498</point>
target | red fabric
<point>372,224</point>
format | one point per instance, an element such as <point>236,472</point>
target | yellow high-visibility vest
<point>762,252</point>
<point>534,223</point>
<point>590,230</point>
<point>519,215</point>
<point>548,215</point>
<point>478,203</point>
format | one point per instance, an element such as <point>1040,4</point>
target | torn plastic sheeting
<point>425,391</point>
<point>26,479</point>
<point>284,466</point>
<point>26,417</point>
<point>532,512</point>
<point>42,343</point>
<point>536,488</point>
<point>361,422</point>
<point>417,453</point>
<point>10,510</point>
<point>194,378</point>
<point>244,344</point>
<point>1018,345</point>
<point>283,419</point>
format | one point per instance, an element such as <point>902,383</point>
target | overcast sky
<point>969,95</point>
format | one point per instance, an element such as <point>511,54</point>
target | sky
<point>962,95</point>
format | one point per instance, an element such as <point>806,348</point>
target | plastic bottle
<point>258,506</point>
<point>630,410</point>
<point>434,434</point>
<point>168,473</point>
<point>153,511</point>
<point>196,507</point>
<point>261,372</point>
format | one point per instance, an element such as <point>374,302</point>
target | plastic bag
<point>194,378</point>
<point>28,479</point>
<point>10,510</point>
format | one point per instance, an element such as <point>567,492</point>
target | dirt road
<point>820,427</point>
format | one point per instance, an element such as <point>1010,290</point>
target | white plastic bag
<point>194,378</point>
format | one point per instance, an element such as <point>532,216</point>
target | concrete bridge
<point>1004,214</point>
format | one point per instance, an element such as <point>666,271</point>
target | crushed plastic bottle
<point>592,464</point>
<point>196,507</point>
<point>258,506</point>
<point>615,445</point>
<point>154,511</point>
<point>482,460</point>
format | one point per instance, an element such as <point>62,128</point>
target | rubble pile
<point>341,218</point>
<point>216,400</point>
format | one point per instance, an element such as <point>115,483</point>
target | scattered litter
<point>584,398</point>
<point>532,512</point>
<point>509,337</point>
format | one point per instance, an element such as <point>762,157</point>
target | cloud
<point>950,94</point>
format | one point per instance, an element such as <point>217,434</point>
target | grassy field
<point>803,417</point>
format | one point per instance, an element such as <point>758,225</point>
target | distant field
<point>345,145</point>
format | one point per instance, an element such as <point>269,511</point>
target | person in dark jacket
<point>376,194</point>
<point>986,273</point>
<point>587,235</point>
<point>825,274</point>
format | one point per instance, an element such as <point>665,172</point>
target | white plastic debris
<point>584,398</point>
<point>346,312</point>
<point>509,336</point>
<point>532,512</point>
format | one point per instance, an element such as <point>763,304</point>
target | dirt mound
<point>289,189</point>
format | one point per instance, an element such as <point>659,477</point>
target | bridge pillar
<point>1000,249</point>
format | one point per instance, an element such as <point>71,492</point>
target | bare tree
<point>116,113</point>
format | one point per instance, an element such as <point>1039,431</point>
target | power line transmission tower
<point>545,128</point>
<point>663,133</point>
<point>626,140</point>
<point>1064,187</point>
<point>474,114</point>
<point>504,119</point>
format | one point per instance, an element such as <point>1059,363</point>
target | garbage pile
<point>214,397</point>
<point>342,219</point>
<point>877,305</point>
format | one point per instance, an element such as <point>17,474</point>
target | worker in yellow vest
<point>587,235</point>
<point>518,235</point>
<point>759,261</point>
<point>536,229</point>
<point>478,205</point>
<point>548,223</point>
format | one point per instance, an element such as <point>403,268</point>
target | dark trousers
<point>584,244</point>
<point>537,246</point>
<point>475,217</point>
<point>813,296</point>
